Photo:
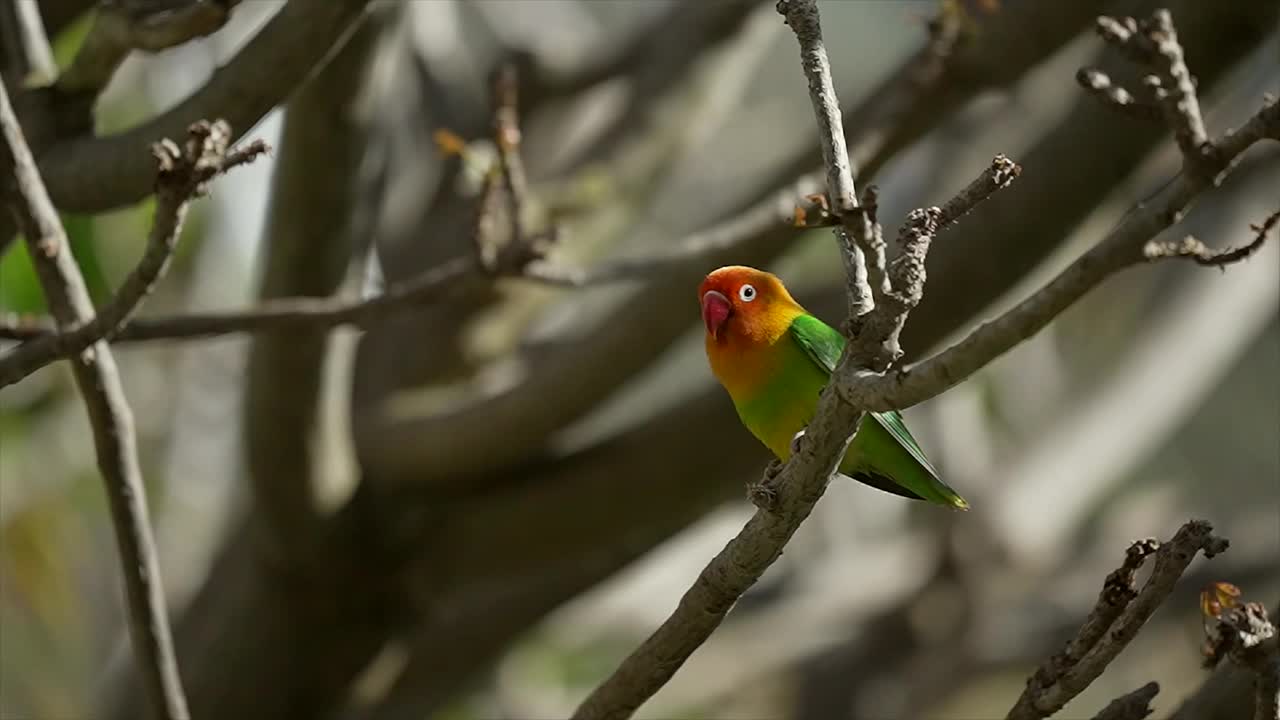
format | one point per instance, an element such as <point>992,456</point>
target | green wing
<point>878,463</point>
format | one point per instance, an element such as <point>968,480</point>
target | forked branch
<point>109,416</point>
<point>789,493</point>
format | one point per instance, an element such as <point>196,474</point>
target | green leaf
<point>20,289</point>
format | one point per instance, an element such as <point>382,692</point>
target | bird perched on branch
<point>774,358</point>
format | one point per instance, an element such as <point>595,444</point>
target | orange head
<point>745,306</point>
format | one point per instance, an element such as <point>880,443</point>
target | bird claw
<point>764,494</point>
<point>795,442</point>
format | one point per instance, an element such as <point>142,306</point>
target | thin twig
<point>275,315</point>
<point>906,273</point>
<point>1065,675</point>
<point>110,418</point>
<point>183,173</point>
<point>874,247</point>
<point>292,312</point>
<point>1192,249</point>
<point>1153,43</point>
<point>507,136</point>
<point>1114,96</point>
<point>520,247</point>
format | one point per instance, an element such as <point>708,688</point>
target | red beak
<point>715,312</point>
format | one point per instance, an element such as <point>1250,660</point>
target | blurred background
<point>476,508</point>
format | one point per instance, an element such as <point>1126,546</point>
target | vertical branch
<point>111,420</point>
<point>308,247</point>
<point>856,231</point>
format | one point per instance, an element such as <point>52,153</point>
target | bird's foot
<point>795,442</point>
<point>764,493</point>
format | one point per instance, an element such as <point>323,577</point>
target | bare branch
<point>799,484</point>
<point>183,173</point>
<point>1132,706</point>
<point>792,491</point>
<point>1117,617</point>
<point>88,173</point>
<point>880,331</point>
<point>1099,84</point>
<point>521,247</point>
<point>28,57</point>
<point>803,17</point>
<point>272,315</point>
<point>1121,248</point>
<point>856,230</point>
<point>110,418</point>
<point>1153,42</point>
<point>127,25</point>
<point>1196,251</point>
<point>873,248</point>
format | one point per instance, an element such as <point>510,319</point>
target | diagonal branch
<point>182,177</point>
<point>788,494</point>
<point>905,279</point>
<point>1121,248</point>
<point>88,173</point>
<point>121,27</point>
<point>275,315</point>
<point>110,418</point>
<point>1196,251</point>
<point>1119,614</point>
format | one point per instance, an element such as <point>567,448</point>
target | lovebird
<point>774,358</point>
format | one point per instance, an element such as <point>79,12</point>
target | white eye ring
<point>747,293</point>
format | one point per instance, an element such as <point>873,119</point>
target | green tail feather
<point>883,453</point>
<point>885,456</point>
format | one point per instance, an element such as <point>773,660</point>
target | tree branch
<point>1196,251</point>
<point>183,173</point>
<point>90,174</point>
<point>1121,248</point>
<point>274,315</point>
<point>1115,96</point>
<point>1154,42</point>
<point>110,418</point>
<point>121,27</point>
<point>410,449</point>
<point>856,231</point>
<point>793,490</point>
<point>1117,617</point>
<point>904,284</point>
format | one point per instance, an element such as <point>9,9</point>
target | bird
<point>773,358</point>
